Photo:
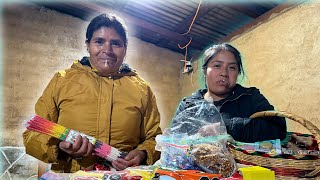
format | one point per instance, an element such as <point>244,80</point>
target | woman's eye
<point>232,67</point>
<point>98,42</point>
<point>216,65</point>
<point>116,43</point>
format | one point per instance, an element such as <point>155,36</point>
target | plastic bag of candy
<point>197,141</point>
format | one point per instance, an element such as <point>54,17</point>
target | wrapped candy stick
<point>41,125</point>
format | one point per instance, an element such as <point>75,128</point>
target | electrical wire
<point>194,18</point>
<point>186,46</point>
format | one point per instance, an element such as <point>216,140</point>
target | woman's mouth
<point>223,82</point>
<point>108,61</point>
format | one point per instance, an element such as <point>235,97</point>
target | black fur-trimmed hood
<point>124,69</point>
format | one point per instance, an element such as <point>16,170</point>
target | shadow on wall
<point>16,164</point>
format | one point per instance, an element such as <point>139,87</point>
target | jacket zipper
<point>111,110</point>
<point>234,99</point>
<point>99,106</point>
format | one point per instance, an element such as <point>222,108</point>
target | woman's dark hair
<point>110,21</point>
<point>211,52</point>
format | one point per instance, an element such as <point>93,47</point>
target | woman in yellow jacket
<point>102,97</point>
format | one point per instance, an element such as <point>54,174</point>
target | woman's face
<point>222,73</point>
<point>107,50</point>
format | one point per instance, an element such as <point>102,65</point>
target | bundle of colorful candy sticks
<point>41,125</point>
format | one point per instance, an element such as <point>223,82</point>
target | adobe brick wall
<point>39,42</point>
<point>282,59</point>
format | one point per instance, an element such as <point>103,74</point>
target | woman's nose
<point>224,72</point>
<point>107,48</point>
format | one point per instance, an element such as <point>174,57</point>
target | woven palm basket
<point>283,167</point>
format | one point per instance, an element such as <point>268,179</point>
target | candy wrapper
<point>104,175</point>
<point>269,146</point>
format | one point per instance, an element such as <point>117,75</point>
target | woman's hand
<point>134,157</point>
<point>210,130</point>
<point>80,147</point>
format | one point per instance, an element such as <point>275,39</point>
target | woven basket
<point>281,166</point>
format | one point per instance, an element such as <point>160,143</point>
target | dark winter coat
<point>239,107</point>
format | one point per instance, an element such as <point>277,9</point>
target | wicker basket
<point>281,166</point>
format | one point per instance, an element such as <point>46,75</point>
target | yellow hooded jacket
<point>120,111</point>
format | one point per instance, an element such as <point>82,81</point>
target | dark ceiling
<point>163,22</point>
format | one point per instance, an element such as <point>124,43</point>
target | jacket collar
<point>236,93</point>
<point>124,69</point>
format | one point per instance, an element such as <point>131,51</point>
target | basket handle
<point>307,124</point>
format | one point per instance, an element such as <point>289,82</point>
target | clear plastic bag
<point>238,122</point>
<point>174,151</point>
<point>208,154</point>
<point>196,140</point>
<point>203,115</point>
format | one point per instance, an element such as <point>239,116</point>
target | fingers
<point>133,158</point>
<point>76,145</point>
<point>90,149</point>
<point>80,147</point>
<point>201,131</point>
<point>120,164</point>
<point>209,130</point>
<point>64,145</point>
<point>131,155</point>
<point>128,163</point>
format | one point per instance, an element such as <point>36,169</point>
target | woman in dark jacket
<point>222,66</point>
